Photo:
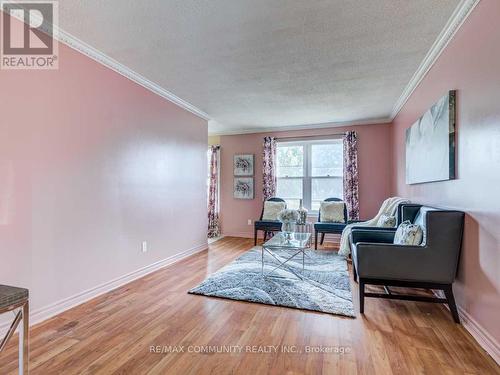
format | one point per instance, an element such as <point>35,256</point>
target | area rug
<point>324,286</point>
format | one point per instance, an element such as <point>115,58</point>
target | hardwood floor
<point>114,333</point>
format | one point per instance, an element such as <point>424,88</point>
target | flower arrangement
<point>288,216</point>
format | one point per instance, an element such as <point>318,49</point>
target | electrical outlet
<point>249,221</point>
<point>144,246</point>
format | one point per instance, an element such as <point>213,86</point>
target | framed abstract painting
<point>243,188</point>
<point>430,143</point>
<point>243,165</point>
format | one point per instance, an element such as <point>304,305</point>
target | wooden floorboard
<point>112,334</point>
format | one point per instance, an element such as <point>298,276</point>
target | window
<point>309,170</point>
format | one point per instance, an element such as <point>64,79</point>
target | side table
<point>13,298</point>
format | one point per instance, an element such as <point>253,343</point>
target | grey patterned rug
<point>324,286</point>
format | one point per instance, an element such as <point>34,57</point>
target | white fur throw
<point>386,221</point>
<point>332,212</point>
<point>389,207</point>
<point>272,209</point>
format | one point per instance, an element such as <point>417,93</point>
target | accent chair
<point>431,265</point>
<point>327,227</point>
<point>267,226</point>
<point>16,300</point>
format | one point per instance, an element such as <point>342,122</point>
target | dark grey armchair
<point>432,265</point>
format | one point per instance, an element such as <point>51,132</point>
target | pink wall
<point>470,64</point>
<point>374,170</point>
<point>92,164</point>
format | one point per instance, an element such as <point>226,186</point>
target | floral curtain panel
<point>269,167</point>
<point>351,181</point>
<point>213,193</point>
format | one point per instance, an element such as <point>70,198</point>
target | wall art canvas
<point>430,144</point>
<point>243,188</point>
<point>243,165</point>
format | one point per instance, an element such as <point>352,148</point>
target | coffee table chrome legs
<point>281,264</point>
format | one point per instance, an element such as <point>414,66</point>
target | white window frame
<point>307,167</point>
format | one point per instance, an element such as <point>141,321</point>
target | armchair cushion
<point>332,212</point>
<point>272,209</point>
<point>269,225</point>
<point>372,235</point>
<point>408,234</point>
<point>377,229</point>
<point>329,227</point>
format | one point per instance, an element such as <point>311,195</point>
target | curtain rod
<point>322,136</point>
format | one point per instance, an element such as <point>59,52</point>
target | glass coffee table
<point>294,243</point>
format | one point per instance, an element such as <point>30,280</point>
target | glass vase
<point>302,211</point>
<point>288,228</point>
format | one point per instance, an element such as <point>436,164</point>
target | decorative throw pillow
<point>272,209</point>
<point>386,221</point>
<point>332,212</point>
<point>408,234</point>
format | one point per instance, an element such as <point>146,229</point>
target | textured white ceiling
<point>254,64</point>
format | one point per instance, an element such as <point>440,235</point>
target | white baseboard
<point>215,239</point>
<point>241,234</point>
<point>483,338</point>
<point>46,312</point>
<point>331,238</point>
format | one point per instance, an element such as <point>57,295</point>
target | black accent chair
<point>267,226</point>
<point>328,228</point>
<point>432,265</point>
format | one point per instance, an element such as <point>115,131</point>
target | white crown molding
<point>46,312</point>
<point>102,58</point>
<point>454,23</point>
<point>463,10</point>
<point>78,45</point>
<point>325,125</point>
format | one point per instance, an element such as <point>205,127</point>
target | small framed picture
<point>243,165</point>
<point>243,188</point>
